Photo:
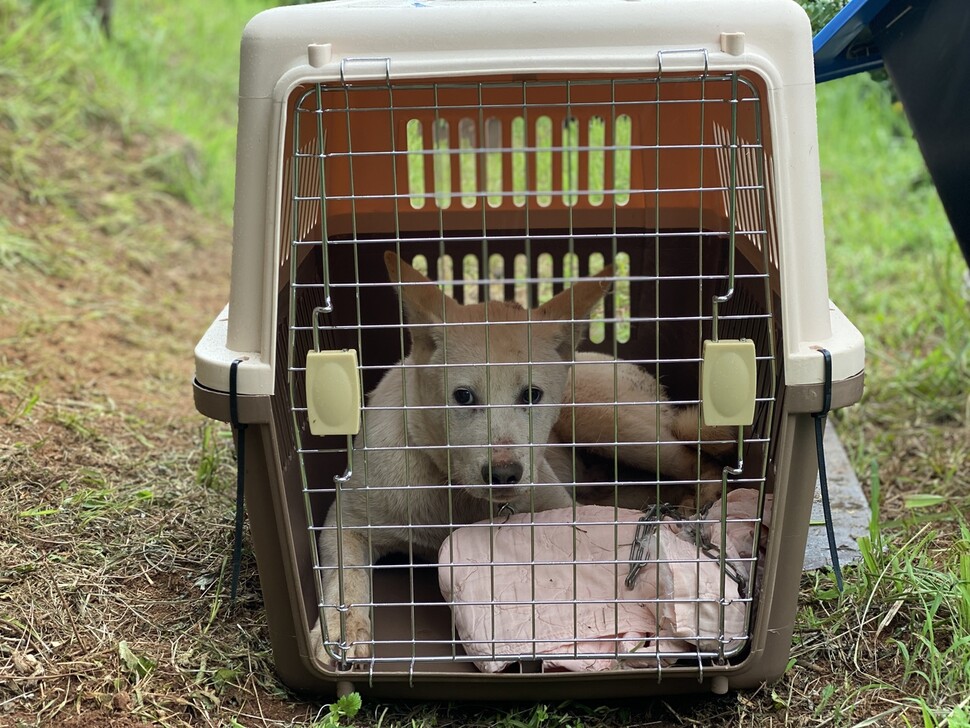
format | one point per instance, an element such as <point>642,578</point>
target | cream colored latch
<point>728,382</point>
<point>333,392</point>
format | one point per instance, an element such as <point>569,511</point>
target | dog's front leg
<point>345,556</point>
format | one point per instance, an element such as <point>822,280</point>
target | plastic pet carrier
<point>527,325</point>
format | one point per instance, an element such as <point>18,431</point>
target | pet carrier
<point>537,153</point>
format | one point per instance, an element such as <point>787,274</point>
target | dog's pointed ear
<point>572,307</point>
<point>424,302</point>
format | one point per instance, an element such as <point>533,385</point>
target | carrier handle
<point>345,62</point>
<point>681,52</point>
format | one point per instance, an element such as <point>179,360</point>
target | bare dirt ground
<point>116,508</point>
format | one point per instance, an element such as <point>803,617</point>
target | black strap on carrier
<point>819,418</point>
<point>240,429</point>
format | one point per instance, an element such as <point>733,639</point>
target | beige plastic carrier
<point>511,147</point>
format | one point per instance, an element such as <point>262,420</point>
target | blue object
<point>925,47</point>
<point>845,45</point>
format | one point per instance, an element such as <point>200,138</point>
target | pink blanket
<point>552,586</point>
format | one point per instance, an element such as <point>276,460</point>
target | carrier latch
<point>333,392</point>
<point>728,382</point>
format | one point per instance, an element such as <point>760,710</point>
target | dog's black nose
<point>502,473</point>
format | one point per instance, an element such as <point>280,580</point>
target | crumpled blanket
<point>552,586</point>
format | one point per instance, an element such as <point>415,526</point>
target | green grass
<point>181,67</point>
<point>167,67</point>
<point>892,259</point>
<point>896,270</point>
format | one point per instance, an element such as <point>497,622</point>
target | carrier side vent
<point>475,160</point>
<point>537,287</point>
<point>303,171</point>
<point>753,186</point>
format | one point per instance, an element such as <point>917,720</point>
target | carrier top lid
<point>493,36</point>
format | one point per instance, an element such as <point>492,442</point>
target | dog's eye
<point>530,395</point>
<point>464,396</point>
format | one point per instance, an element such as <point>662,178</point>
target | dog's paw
<point>347,639</point>
<point>695,498</point>
<point>330,651</point>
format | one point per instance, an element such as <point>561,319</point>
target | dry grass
<point>112,543</point>
<point>115,524</point>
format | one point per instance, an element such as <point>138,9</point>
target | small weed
<point>24,407</point>
<point>959,717</point>
<point>224,677</point>
<point>346,706</point>
<point>215,454</point>
<point>17,251</point>
<point>77,422</point>
<point>137,666</point>
<point>565,715</point>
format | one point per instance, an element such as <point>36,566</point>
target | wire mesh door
<point>519,190</point>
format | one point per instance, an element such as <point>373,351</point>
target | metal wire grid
<point>396,196</point>
<point>312,289</point>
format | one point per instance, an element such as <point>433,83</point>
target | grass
<point>910,252</point>
<point>896,270</point>
<point>116,508</point>
<point>168,67</point>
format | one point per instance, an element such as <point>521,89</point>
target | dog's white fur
<point>470,442</point>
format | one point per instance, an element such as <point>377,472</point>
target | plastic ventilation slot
<point>469,279</point>
<point>752,185</point>
<point>488,155</point>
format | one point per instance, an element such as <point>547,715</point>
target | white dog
<point>496,396</point>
